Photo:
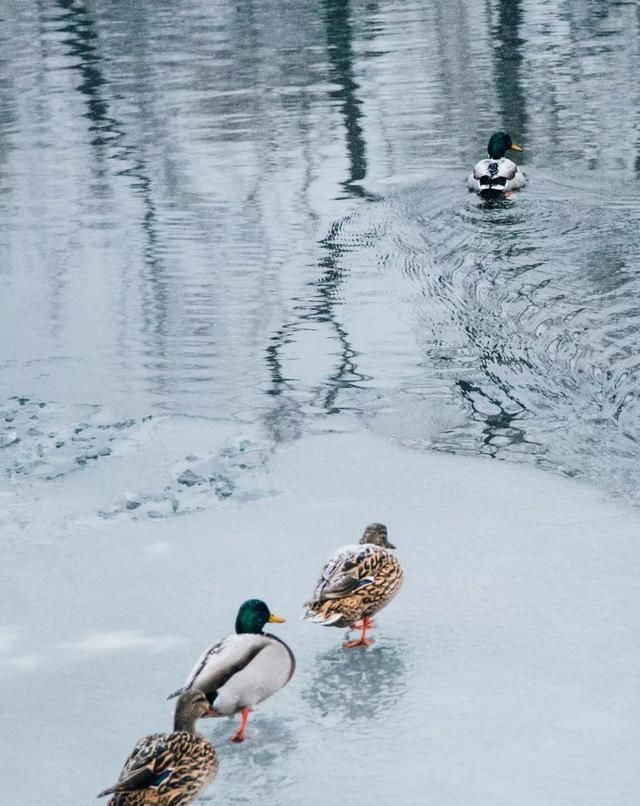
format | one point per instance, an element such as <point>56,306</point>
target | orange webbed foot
<point>359,642</point>
<point>364,625</point>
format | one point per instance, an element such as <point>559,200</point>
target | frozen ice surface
<point>506,671</point>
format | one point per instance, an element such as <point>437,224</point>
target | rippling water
<point>199,205</point>
<point>230,227</point>
<point>524,318</point>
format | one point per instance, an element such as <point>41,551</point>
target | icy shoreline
<point>506,671</point>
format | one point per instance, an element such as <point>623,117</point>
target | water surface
<point>233,232</point>
<point>203,207</point>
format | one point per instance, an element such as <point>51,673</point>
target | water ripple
<point>527,319</point>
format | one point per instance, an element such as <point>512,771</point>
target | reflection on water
<point>260,763</point>
<point>341,56</point>
<point>527,326</point>
<point>225,223</point>
<point>109,140</point>
<point>509,57</point>
<point>352,685</point>
<point>192,222</point>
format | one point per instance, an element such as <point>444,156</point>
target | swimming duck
<point>169,768</point>
<point>497,175</point>
<point>356,582</point>
<point>245,668</point>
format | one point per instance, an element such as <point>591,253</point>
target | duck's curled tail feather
<point>320,617</point>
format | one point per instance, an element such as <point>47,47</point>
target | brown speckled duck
<point>356,582</point>
<point>169,769</point>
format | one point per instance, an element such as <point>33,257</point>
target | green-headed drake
<point>169,768</point>
<point>356,582</point>
<point>245,668</point>
<point>497,175</point>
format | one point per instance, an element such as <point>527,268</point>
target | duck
<point>243,669</point>
<point>169,768</point>
<point>356,582</point>
<point>497,175</point>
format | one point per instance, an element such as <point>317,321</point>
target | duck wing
<point>222,661</point>
<point>150,763</point>
<point>490,174</point>
<point>348,570</point>
<point>269,669</point>
<point>517,181</point>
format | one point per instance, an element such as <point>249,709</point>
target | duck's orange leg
<point>363,640</point>
<point>239,736</point>
<point>357,625</point>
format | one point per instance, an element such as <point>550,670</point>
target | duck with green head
<point>245,668</point>
<point>496,175</point>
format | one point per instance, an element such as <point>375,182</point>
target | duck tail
<point>105,792</point>
<point>176,693</point>
<point>321,618</point>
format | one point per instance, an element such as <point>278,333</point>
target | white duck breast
<point>243,669</point>
<point>497,175</point>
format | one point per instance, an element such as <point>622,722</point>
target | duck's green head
<point>253,615</point>
<point>499,144</point>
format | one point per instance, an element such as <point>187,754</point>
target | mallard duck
<point>497,175</point>
<point>356,582</point>
<point>169,769</point>
<point>243,669</point>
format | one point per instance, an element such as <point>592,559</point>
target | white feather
<point>506,170</point>
<point>244,669</point>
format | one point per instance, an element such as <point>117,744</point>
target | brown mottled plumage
<point>169,769</point>
<point>356,582</point>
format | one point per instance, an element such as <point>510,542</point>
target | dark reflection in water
<point>341,56</point>
<point>354,684</point>
<point>509,61</point>
<point>322,308</point>
<point>501,427</point>
<point>540,322</point>
<point>327,286</point>
<point>82,41</point>
<point>192,217</point>
<point>324,301</point>
<point>254,213</point>
<point>109,140</point>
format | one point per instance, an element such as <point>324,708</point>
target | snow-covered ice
<point>506,671</point>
